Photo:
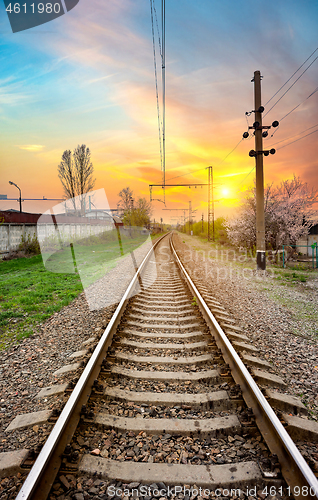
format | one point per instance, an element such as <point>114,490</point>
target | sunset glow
<point>88,77</point>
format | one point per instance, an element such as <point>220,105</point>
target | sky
<point>87,77</point>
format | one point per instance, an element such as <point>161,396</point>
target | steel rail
<point>295,469</point>
<point>37,486</point>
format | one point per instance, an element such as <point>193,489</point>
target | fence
<point>11,234</point>
<point>314,253</point>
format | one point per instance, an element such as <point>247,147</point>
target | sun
<point>225,191</point>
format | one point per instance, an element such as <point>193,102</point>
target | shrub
<point>29,246</point>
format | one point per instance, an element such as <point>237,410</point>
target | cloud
<point>232,175</point>
<point>32,147</point>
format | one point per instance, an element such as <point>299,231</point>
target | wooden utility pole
<point>260,131</point>
<point>190,217</point>
<point>202,223</point>
<point>260,216</point>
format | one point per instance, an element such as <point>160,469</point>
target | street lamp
<point>20,201</point>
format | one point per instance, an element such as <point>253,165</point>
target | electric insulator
<point>245,135</point>
<point>272,151</point>
<point>275,124</point>
<point>261,109</point>
<point>256,124</point>
<point>252,153</point>
<point>266,153</point>
<point>265,133</point>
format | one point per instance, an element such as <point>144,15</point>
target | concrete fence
<point>11,234</point>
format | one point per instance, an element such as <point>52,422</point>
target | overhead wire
<point>232,151</point>
<point>158,32</point>
<point>188,173</point>
<point>291,85</point>
<point>199,170</point>
<point>291,77</point>
<point>296,140</point>
<point>247,176</point>
<point>295,135</point>
<point>156,81</point>
<point>287,114</point>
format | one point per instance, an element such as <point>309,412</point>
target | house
<point>307,241</point>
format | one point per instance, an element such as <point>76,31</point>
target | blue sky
<point>88,77</point>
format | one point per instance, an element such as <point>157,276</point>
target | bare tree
<point>76,174</point>
<point>126,199</point>
<point>67,176</point>
<point>136,212</point>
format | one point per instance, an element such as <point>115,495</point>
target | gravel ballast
<point>283,338</point>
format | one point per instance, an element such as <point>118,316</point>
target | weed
<point>30,246</point>
<point>194,301</point>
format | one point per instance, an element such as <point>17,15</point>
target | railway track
<point>166,406</point>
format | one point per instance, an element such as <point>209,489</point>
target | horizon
<point>88,78</point>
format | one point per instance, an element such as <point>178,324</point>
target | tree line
<point>289,212</point>
<point>289,215</point>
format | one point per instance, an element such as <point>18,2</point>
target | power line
<point>230,152</point>
<point>247,176</point>
<point>291,85</point>
<point>287,114</point>
<point>154,8</point>
<point>199,170</point>
<point>298,105</point>
<point>184,175</point>
<point>156,80</point>
<point>295,135</point>
<point>290,77</point>
<point>296,140</point>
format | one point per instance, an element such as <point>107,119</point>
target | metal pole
<point>202,224</point>
<point>20,199</point>
<point>260,217</point>
<point>163,13</point>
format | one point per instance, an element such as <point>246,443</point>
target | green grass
<point>291,278</point>
<point>29,295</point>
<point>31,292</point>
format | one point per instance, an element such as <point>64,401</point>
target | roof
<point>15,217</point>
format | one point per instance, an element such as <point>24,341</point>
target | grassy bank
<point>29,295</point>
